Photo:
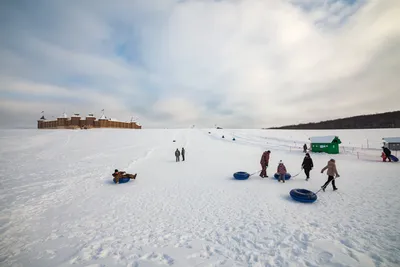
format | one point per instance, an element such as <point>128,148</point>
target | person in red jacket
<point>264,163</point>
<point>281,170</point>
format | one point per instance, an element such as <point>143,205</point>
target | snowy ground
<point>59,206</point>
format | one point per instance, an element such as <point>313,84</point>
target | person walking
<point>307,165</point>
<point>177,154</point>
<point>332,171</point>
<point>305,148</point>
<point>183,154</point>
<point>388,153</point>
<point>264,163</point>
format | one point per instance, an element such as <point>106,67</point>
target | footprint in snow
<point>324,257</point>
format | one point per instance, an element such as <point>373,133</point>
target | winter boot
<point>323,188</point>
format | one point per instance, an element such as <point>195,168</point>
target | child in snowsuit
<point>332,171</point>
<point>281,170</point>
<point>307,165</point>
<point>383,156</point>
<point>121,174</point>
<point>183,154</point>
<point>177,154</point>
<point>264,163</point>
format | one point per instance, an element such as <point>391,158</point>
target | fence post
<point>367,144</point>
<point>358,156</point>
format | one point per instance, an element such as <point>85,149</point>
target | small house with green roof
<point>327,144</point>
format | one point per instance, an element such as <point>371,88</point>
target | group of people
<point>386,154</point>
<point>122,174</point>
<point>307,165</point>
<point>179,153</point>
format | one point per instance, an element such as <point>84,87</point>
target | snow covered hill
<point>59,206</point>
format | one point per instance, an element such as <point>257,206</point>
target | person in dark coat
<point>264,163</point>
<point>183,154</point>
<point>305,148</point>
<point>307,165</point>
<point>387,152</point>
<point>177,154</point>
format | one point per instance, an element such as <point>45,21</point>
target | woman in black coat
<point>307,165</point>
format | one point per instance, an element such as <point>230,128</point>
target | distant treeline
<point>382,120</point>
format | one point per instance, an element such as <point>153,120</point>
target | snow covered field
<point>59,206</point>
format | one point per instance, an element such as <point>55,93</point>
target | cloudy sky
<point>170,63</point>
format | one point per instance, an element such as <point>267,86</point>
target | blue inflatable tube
<point>303,195</point>
<point>122,180</point>
<point>287,176</point>
<point>241,175</point>
<point>394,158</point>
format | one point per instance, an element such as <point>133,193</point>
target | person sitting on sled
<point>121,174</point>
<point>281,170</point>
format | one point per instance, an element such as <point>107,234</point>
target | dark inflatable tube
<point>287,176</point>
<point>394,158</point>
<point>122,180</point>
<point>303,195</point>
<point>241,175</point>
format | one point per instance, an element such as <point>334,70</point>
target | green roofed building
<point>327,144</point>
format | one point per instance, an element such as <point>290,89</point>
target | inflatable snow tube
<point>241,175</point>
<point>303,195</point>
<point>122,180</point>
<point>394,158</point>
<point>287,176</point>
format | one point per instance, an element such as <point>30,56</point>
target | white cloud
<point>259,63</point>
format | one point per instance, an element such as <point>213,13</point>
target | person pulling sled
<point>332,171</point>
<point>387,153</point>
<point>264,163</point>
